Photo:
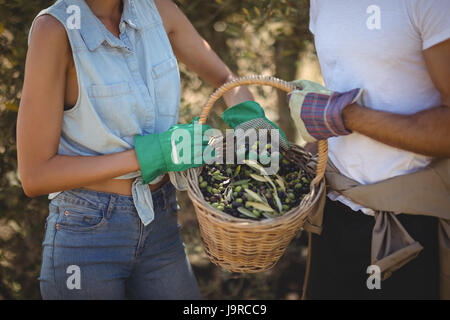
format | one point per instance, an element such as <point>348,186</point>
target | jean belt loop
<point>164,196</point>
<point>110,207</point>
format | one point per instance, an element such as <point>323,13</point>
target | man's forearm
<point>426,132</point>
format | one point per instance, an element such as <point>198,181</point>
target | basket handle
<point>276,83</point>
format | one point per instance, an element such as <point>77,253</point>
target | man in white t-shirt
<point>385,112</point>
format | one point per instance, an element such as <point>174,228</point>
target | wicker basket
<point>240,245</point>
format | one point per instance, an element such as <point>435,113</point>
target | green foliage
<point>251,36</point>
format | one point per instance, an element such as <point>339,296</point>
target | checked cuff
<point>322,113</point>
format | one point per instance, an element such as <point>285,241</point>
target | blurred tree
<point>251,36</point>
<point>230,27</point>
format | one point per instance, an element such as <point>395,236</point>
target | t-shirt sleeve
<point>432,19</point>
<point>312,16</point>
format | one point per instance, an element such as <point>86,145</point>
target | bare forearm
<point>237,95</point>
<point>426,132</point>
<point>68,172</point>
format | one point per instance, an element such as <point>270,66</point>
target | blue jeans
<point>96,247</point>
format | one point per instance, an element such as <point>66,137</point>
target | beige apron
<point>425,192</point>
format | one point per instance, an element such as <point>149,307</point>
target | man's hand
<point>316,110</point>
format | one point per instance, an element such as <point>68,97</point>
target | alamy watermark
<point>73,22</point>
<point>374,20</point>
<point>73,282</point>
<point>235,147</point>
<point>374,280</point>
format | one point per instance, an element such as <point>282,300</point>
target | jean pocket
<point>80,218</point>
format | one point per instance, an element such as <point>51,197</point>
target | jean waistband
<point>81,196</point>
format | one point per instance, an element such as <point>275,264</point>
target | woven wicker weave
<point>244,246</point>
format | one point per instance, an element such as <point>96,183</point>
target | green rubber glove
<point>177,149</point>
<point>250,115</point>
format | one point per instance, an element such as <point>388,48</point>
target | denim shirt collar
<point>94,32</point>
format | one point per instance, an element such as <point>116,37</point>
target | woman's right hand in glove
<point>159,153</point>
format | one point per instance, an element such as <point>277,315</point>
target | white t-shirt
<point>378,45</point>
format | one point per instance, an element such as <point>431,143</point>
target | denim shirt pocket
<point>115,105</point>
<point>166,79</point>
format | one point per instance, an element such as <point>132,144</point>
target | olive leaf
<point>270,182</point>
<point>268,215</point>
<point>280,182</point>
<point>260,206</point>
<point>246,212</point>
<point>240,182</point>
<point>255,166</point>
<point>253,195</point>
<point>257,177</point>
<point>228,193</point>
<point>237,171</point>
<point>278,201</point>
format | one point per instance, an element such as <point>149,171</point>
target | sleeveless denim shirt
<point>127,86</point>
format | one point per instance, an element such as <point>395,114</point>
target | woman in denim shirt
<point>99,74</point>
